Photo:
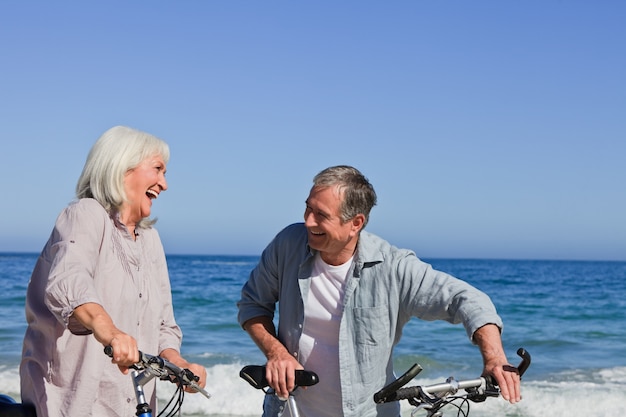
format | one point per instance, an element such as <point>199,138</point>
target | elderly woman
<point>100,280</point>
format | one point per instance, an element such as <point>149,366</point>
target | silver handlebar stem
<point>452,386</point>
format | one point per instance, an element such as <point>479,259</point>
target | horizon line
<point>460,258</point>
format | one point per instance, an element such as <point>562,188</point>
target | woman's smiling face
<point>142,184</point>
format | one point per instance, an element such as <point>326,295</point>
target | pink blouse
<point>91,258</point>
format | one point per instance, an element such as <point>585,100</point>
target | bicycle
<point>145,370</point>
<point>150,367</point>
<point>10,408</point>
<point>433,398</point>
<point>255,375</point>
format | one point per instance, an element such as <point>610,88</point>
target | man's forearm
<point>262,331</point>
<point>489,342</point>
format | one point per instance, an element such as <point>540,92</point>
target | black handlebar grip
<point>108,350</point>
<point>525,363</point>
<point>381,396</point>
<point>404,394</point>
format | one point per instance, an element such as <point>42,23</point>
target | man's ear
<point>358,222</point>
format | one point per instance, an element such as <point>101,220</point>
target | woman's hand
<point>125,351</point>
<point>174,357</point>
<point>95,318</point>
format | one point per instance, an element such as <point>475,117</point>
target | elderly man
<point>344,296</point>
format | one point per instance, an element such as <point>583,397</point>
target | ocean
<point>569,315</point>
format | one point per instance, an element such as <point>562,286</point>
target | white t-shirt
<point>319,343</point>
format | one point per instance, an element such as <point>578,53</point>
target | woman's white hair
<point>118,150</point>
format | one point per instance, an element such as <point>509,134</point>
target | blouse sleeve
<point>170,334</point>
<point>75,246</point>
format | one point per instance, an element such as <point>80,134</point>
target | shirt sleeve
<point>260,293</point>
<point>75,245</point>
<point>436,295</point>
<point>170,334</point>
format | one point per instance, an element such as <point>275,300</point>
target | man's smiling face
<point>328,233</point>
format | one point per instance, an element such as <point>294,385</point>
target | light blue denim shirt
<point>386,287</point>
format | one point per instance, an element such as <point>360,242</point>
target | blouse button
<point>140,295</point>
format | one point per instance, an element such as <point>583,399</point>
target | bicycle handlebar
<point>158,367</point>
<point>255,375</point>
<point>435,395</point>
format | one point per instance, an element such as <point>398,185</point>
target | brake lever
<point>190,379</point>
<point>491,386</point>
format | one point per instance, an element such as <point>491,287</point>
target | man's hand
<point>507,378</point>
<point>281,366</point>
<point>496,364</point>
<point>280,372</point>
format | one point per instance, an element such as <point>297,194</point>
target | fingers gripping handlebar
<point>255,375</point>
<point>164,369</point>
<point>521,368</point>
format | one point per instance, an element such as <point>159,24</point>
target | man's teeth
<point>152,194</point>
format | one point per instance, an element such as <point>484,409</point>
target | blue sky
<point>489,129</point>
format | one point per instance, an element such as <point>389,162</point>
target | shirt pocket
<point>371,325</point>
<point>371,343</point>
